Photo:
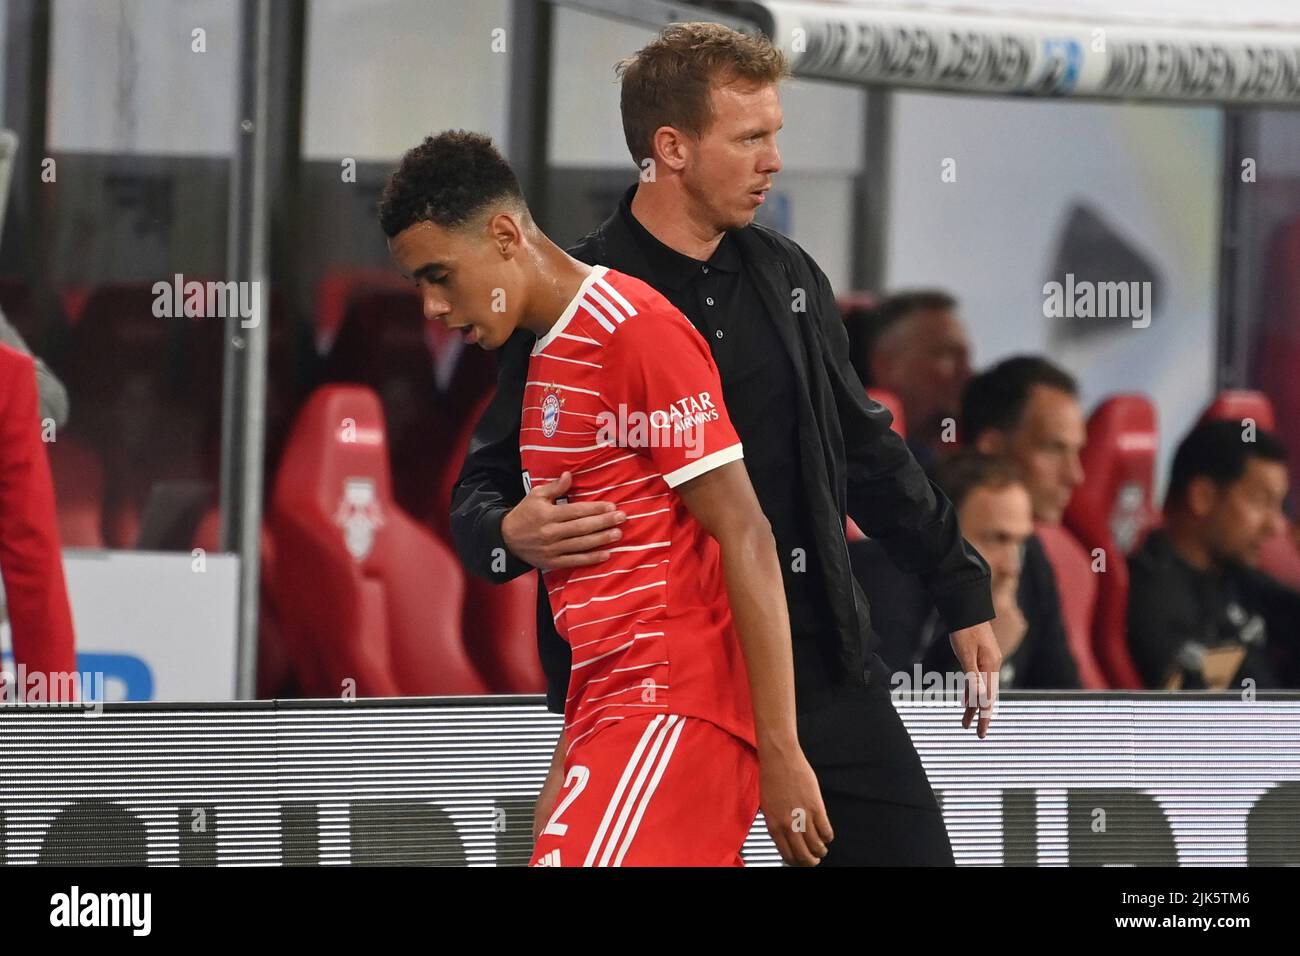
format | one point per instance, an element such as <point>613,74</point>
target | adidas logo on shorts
<point>550,859</point>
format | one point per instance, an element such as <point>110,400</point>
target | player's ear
<point>506,232</point>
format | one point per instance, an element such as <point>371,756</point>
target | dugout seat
<point>1076,586</point>
<point>1111,511</point>
<point>1239,404</point>
<point>363,591</point>
<point>500,619</point>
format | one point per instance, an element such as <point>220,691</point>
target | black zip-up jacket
<point>852,462</point>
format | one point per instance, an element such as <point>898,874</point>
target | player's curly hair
<point>447,180</point>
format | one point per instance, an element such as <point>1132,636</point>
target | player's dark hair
<point>446,180</point>
<point>1218,450</point>
<point>996,398</point>
<point>866,325</point>
<point>960,474</point>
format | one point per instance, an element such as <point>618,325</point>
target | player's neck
<point>668,215</point>
<point>557,277</point>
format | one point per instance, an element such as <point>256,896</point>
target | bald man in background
<point>914,345</point>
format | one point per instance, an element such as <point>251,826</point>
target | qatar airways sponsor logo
<point>680,425</point>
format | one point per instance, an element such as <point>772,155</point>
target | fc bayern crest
<point>551,412</point>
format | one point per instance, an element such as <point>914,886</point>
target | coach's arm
<point>889,495</point>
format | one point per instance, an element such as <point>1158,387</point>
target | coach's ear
<point>671,148</point>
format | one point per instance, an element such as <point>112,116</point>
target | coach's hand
<point>549,535</point>
<point>792,806</point>
<point>981,659</point>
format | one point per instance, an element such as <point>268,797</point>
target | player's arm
<point>723,501</point>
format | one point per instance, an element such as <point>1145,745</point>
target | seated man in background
<point>1200,615</point>
<point>994,509</point>
<point>914,345</point>
<point>989,493</point>
<point>1024,409</point>
<point>1027,409</point>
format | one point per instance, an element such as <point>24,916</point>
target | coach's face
<point>468,276</point>
<point>730,168</point>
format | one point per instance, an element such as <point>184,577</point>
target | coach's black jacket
<point>852,461</point>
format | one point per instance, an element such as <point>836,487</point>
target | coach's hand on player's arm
<point>723,501</point>
<point>549,535</point>
<point>981,659</point>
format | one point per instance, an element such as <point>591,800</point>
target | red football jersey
<point>623,392</point>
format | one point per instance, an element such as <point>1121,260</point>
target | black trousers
<point>877,796</point>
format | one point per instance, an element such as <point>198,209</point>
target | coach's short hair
<point>447,180</point>
<point>996,398</point>
<point>960,474</point>
<point>668,82</point>
<point>1218,450</point>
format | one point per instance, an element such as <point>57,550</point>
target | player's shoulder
<point>648,312</point>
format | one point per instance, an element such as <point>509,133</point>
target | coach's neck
<point>668,213</point>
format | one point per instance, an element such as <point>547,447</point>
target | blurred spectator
<point>1027,409</point>
<point>31,561</point>
<point>996,516</point>
<point>1200,615</point>
<point>914,345</point>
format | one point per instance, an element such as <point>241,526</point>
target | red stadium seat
<point>78,492</point>
<point>382,345</point>
<point>337,290</point>
<point>364,592</point>
<point>500,619</point>
<point>1240,404</point>
<point>1111,511</point>
<point>1077,586</point>
<point>128,383</point>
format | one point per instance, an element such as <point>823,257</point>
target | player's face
<point>1248,512</point>
<point>468,277</point>
<point>730,168</point>
<point>998,522</point>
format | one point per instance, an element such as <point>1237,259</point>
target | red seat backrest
<point>1238,404</point>
<point>336,291</point>
<point>1077,587</point>
<point>1110,512</point>
<point>78,492</point>
<point>363,592</point>
<point>500,619</point>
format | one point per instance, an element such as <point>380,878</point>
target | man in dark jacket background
<point>701,113</point>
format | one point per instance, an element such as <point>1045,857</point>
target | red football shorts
<point>662,790</point>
